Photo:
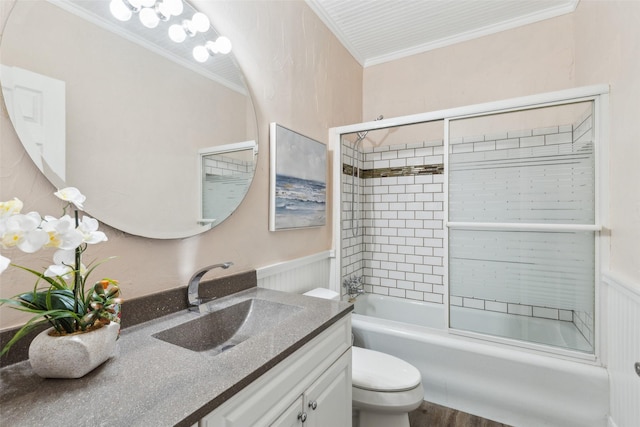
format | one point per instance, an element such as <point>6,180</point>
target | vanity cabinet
<point>318,375</point>
<point>322,404</point>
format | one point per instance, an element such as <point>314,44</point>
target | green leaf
<point>28,327</point>
<point>50,300</point>
<point>58,301</point>
<point>56,282</point>
<point>44,316</point>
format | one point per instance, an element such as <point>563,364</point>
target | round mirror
<point>124,112</point>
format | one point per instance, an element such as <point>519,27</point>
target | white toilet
<point>385,388</point>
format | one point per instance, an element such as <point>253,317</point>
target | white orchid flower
<point>63,261</point>
<point>10,207</point>
<point>23,231</point>
<point>89,230</point>
<point>61,232</point>
<point>57,270</point>
<point>64,257</point>
<point>4,263</point>
<point>71,195</point>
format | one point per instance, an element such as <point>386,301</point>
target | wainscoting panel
<point>623,350</point>
<point>298,275</point>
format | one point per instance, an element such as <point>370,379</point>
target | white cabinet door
<point>328,400</point>
<point>293,416</point>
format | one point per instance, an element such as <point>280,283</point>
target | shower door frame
<point>596,227</point>
<point>596,93</point>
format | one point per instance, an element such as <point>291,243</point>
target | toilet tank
<point>323,293</point>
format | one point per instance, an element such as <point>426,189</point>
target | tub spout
<point>194,283</point>
<point>354,285</point>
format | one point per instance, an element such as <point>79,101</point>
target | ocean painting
<point>299,180</point>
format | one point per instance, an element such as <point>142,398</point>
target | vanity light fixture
<point>221,45</point>
<point>151,12</point>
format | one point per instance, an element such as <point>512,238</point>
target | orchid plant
<point>58,296</point>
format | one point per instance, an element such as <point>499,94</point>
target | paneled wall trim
<point>297,275</point>
<point>622,330</point>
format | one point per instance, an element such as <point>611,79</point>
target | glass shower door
<point>523,225</point>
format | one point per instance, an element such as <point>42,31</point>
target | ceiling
<point>377,31</point>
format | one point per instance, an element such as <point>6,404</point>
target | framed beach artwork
<point>298,180</point>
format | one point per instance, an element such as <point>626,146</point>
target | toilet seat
<point>376,371</point>
<point>381,402</point>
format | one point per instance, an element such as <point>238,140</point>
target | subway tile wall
<point>220,165</point>
<point>398,246</point>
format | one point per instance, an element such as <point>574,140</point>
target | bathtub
<point>509,385</point>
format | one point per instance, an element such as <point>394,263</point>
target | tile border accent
<point>436,169</point>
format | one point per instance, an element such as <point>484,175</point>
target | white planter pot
<point>72,356</point>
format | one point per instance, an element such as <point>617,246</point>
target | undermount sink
<point>223,329</point>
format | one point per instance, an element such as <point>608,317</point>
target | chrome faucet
<point>194,283</point>
<point>354,285</point>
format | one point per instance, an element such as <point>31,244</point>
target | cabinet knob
<point>302,416</point>
<point>313,405</point>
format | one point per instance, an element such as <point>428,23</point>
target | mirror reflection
<point>225,175</point>
<point>119,118</point>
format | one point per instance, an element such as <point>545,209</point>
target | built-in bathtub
<point>509,385</point>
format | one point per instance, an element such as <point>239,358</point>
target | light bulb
<point>200,22</point>
<point>189,27</point>
<point>149,18</point>
<point>212,47</point>
<point>119,10</point>
<point>147,3</point>
<point>223,44</point>
<point>164,11</point>
<point>136,4</point>
<point>200,53</point>
<point>177,33</point>
<point>175,6</point>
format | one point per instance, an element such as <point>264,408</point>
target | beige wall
<point>527,60</point>
<point>301,77</point>
<point>607,46</point>
<point>598,43</point>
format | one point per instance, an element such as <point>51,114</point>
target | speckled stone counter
<point>150,382</point>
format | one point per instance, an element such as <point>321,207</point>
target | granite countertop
<point>150,382</point>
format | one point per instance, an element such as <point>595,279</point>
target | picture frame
<point>297,180</point>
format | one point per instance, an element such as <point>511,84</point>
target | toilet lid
<point>376,371</point>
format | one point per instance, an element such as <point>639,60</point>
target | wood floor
<point>432,415</point>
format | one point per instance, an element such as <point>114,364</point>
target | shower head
<point>355,230</point>
<point>362,135</point>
